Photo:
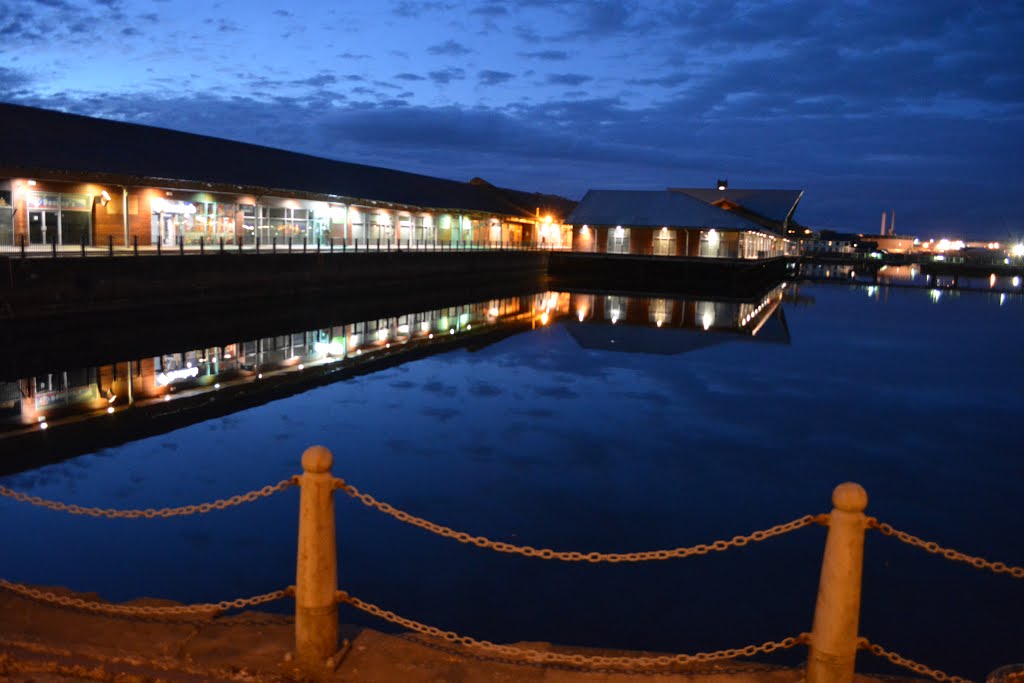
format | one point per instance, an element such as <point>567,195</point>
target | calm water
<point>593,436</point>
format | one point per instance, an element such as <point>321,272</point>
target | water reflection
<point>178,380</point>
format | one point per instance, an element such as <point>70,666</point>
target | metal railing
<point>833,641</point>
<point>111,247</point>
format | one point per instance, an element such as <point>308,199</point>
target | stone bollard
<point>833,649</point>
<point>316,574</point>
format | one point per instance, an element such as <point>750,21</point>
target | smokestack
<point>892,223</point>
<point>883,225</point>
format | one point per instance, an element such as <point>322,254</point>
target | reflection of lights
<point>992,280</point>
<point>1002,298</point>
<point>43,425</point>
<point>871,290</point>
<point>936,294</point>
<point>708,319</point>
<point>581,316</point>
<point>660,322</point>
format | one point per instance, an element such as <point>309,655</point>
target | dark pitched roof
<point>547,204</point>
<point>36,141</point>
<point>654,209</point>
<point>776,206</point>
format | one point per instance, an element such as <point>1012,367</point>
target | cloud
<point>567,79</point>
<point>488,77</point>
<point>549,55</point>
<point>446,76</point>
<point>409,9</point>
<point>490,10</point>
<point>449,48</point>
<point>409,77</point>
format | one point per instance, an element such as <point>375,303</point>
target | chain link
<point>579,660</point>
<point>900,660</point>
<point>575,556</point>
<point>209,609</point>
<point>151,513</point>
<point>948,553</point>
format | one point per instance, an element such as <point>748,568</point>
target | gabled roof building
<point>743,224</point>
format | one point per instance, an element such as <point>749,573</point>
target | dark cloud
<point>549,55</point>
<point>409,77</point>
<point>12,80</point>
<point>488,77</point>
<point>567,79</point>
<point>449,48</point>
<point>491,10</point>
<point>318,81</point>
<point>667,81</point>
<point>446,76</point>
<point>412,9</point>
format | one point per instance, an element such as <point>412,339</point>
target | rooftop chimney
<point>723,184</point>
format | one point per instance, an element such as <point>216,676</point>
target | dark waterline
<point>555,437</point>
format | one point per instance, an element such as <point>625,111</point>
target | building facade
<point>72,181</point>
<point>675,222</point>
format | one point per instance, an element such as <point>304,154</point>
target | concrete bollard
<point>316,574</point>
<point>833,650</point>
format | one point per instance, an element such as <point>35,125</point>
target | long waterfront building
<point>73,180</point>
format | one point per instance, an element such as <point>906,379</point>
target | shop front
<point>175,221</point>
<point>6,219</point>
<point>58,218</point>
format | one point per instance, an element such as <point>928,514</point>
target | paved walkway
<point>46,644</point>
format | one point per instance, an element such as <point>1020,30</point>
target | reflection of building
<point>98,391</point>
<point>71,180</point>
<point>671,326</point>
<point>739,224</point>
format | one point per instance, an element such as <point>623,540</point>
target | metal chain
<point>575,556</point>
<point>203,609</point>
<point>587,661</point>
<point>150,513</point>
<point>899,660</point>
<point>948,553</point>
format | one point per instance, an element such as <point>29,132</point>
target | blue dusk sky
<point>914,106</point>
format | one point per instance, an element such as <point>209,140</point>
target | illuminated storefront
<point>6,219</point>
<point>58,218</point>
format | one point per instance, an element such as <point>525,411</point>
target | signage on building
<point>169,206</point>
<point>47,399</point>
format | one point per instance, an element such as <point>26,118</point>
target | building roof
<point>45,143</point>
<point>776,206</point>
<point>654,209</point>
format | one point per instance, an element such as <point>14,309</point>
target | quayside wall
<point>42,287</point>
